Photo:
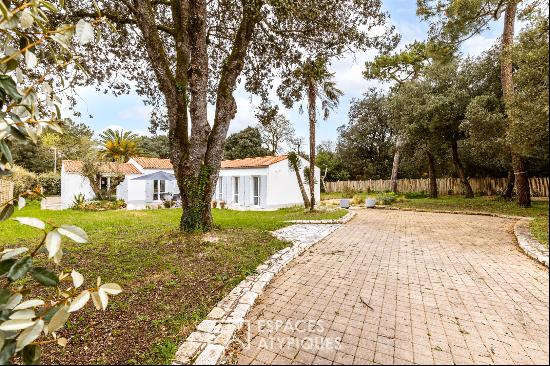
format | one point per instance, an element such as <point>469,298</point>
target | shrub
<point>348,192</point>
<point>214,204</point>
<point>22,179</point>
<point>103,205</point>
<point>222,204</point>
<point>413,195</point>
<point>386,198</point>
<point>50,183</point>
<point>168,203</point>
<point>356,200</point>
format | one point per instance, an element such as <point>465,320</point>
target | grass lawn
<point>171,280</point>
<point>539,228</point>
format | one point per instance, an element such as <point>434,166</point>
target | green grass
<point>171,280</point>
<point>484,204</point>
<point>109,225</point>
<point>539,228</point>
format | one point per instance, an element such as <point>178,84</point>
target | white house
<point>261,183</point>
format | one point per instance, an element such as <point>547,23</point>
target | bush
<point>413,195</point>
<point>22,179</point>
<point>386,198</point>
<point>99,205</point>
<point>51,183</point>
<point>348,192</point>
<point>356,200</point>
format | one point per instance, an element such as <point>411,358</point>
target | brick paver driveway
<point>406,287</point>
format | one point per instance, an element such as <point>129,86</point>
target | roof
<point>258,162</point>
<point>75,166</point>
<point>153,163</point>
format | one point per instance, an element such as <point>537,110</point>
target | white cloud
<point>139,112</point>
<point>477,44</point>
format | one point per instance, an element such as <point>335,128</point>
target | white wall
<point>245,187</point>
<point>278,182</point>
<point>282,186</point>
<point>73,184</point>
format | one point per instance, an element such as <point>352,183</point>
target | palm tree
<point>118,145</point>
<point>315,82</point>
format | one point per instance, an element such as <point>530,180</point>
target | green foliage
<point>156,146</point>
<point>530,133</point>
<point>539,228</point>
<point>195,187</point>
<point>22,179</point>
<point>74,143</point>
<point>415,195</point>
<point>386,198</point>
<point>35,53</point>
<point>118,145</point>
<point>103,205</point>
<point>244,144</point>
<point>26,319</point>
<point>274,127</point>
<point>366,142</point>
<point>330,163</point>
<point>398,67</point>
<point>50,183</point>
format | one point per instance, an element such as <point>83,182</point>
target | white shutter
<point>263,191</point>
<point>242,189</point>
<point>247,186</point>
<point>226,189</point>
<point>148,191</point>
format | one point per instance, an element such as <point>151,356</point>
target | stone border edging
<point>530,245</point>
<point>207,344</point>
<point>527,242</point>
<point>341,220</point>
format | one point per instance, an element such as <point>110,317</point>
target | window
<point>236,189</point>
<point>256,190</point>
<point>104,183</point>
<point>220,189</point>
<point>159,189</point>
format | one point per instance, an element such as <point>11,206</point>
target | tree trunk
<point>312,98</point>
<point>506,76</point>
<point>395,166</point>
<point>509,191</point>
<point>301,185</point>
<point>431,174</point>
<point>460,170</point>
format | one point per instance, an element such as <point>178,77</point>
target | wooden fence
<point>487,186</point>
<point>6,191</point>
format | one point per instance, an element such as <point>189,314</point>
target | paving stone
<point>207,326</point>
<point>216,313</point>
<point>187,351</point>
<point>410,287</point>
<point>211,355</point>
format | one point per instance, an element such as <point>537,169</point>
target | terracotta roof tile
<point>75,166</point>
<point>153,163</point>
<point>261,161</point>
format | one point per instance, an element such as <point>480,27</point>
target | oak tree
<point>182,55</point>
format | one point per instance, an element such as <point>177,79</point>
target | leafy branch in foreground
<point>34,56</point>
<point>25,324</point>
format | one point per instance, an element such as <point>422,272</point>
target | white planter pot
<point>344,203</point>
<point>370,202</point>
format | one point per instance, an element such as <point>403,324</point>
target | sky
<point>128,112</point>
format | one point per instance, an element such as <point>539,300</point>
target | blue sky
<point>128,112</point>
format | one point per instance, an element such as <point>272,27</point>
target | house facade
<point>261,183</point>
